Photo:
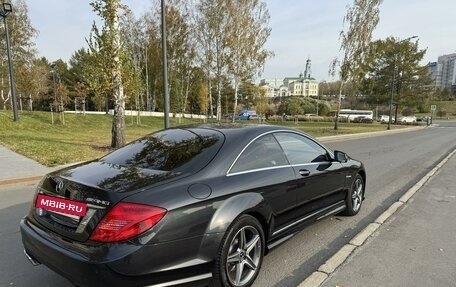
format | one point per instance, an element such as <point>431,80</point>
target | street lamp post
<point>6,9</point>
<point>165,65</point>
<point>393,80</point>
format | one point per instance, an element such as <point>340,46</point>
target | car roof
<point>236,130</point>
<point>238,135</point>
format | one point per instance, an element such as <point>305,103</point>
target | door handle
<point>304,172</point>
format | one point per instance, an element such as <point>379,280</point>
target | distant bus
<point>350,115</point>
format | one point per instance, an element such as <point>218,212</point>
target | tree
<point>88,68</point>
<point>212,29</point>
<point>198,101</point>
<point>181,53</point>
<point>60,79</point>
<point>134,63</point>
<point>399,60</point>
<point>106,45</point>
<point>23,50</point>
<point>231,37</point>
<point>362,18</point>
<point>247,34</point>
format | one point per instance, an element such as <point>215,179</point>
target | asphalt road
<point>393,162</point>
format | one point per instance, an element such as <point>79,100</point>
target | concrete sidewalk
<point>416,246</point>
<point>16,168</point>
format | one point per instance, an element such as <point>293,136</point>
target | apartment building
<point>444,74</point>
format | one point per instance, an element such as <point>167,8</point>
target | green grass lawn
<point>88,137</point>
<point>81,138</point>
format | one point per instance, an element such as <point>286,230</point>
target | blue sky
<point>300,29</point>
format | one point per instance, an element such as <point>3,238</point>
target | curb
<point>317,278</point>
<point>330,139</point>
<point>33,179</point>
<point>21,180</point>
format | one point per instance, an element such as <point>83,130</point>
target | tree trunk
<point>154,97</point>
<point>236,87</point>
<point>187,88</point>
<point>219,100</point>
<point>336,121</point>
<point>118,124</point>
<point>211,107</point>
<point>148,100</point>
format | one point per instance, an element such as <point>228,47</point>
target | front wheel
<point>241,254</point>
<point>355,196</point>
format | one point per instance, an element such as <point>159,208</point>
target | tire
<point>355,196</point>
<point>240,254</point>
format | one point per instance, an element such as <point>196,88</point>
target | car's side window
<point>264,152</point>
<point>300,149</point>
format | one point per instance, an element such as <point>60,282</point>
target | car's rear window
<point>179,150</point>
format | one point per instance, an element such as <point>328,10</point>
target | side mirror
<point>340,156</point>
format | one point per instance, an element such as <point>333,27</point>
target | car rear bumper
<point>81,270</point>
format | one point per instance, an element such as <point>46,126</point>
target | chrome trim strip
<point>304,218</point>
<point>30,258</point>
<point>280,241</point>
<point>311,163</point>
<point>339,209</point>
<point>184,280</point>
<point>74,217</point>
<point>258,169</point>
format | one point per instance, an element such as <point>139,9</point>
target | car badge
<point>59,186</point>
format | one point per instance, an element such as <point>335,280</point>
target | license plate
<point>61,205</point>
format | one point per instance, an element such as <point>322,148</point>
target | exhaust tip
<point>31,259</point>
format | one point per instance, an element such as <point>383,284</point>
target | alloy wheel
<point>244,255</point>
<point>357,195</point>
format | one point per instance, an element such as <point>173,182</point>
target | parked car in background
<point>187,205</point>
<point>246,114</point>
<point>407,120</point>
<point>384,119</point>
<point>363,119</point>
<point>256,117</point>
<point>423,119</point>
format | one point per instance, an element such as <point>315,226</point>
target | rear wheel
<point>355,196</point>
<point>241,254</point>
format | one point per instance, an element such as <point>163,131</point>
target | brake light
<point>126,220</point>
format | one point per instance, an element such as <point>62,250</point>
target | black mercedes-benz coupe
<point>187,205</point>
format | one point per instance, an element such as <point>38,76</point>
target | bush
<point>441,113</point>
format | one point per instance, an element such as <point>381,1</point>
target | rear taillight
<point>126,220</point>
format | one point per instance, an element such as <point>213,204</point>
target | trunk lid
<point>72,201</point>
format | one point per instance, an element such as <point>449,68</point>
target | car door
<point>319,180</point>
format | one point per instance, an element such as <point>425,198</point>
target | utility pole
<point>165,65</point>
<point>7,8</point>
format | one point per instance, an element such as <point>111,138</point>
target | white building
<point>271,86</point>
<point>301,86</point>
